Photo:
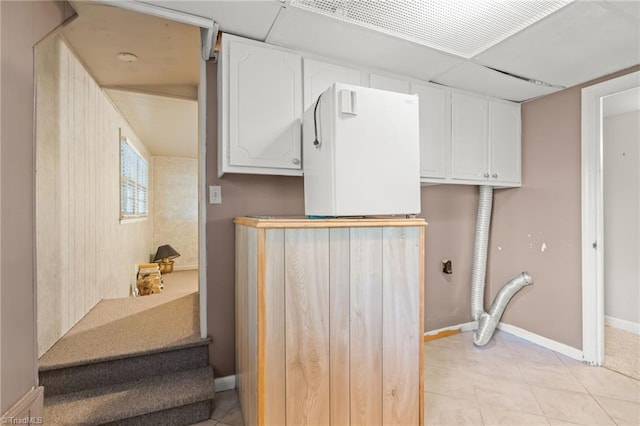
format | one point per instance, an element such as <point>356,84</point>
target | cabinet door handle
<point>296,161</point>
<point>486,175</point>
<point>495,175</point>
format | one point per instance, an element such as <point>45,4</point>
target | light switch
<point>215,194</point>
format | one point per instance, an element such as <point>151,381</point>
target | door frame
<point>592,214</point>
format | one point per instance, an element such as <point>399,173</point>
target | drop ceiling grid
<point>463,28</point>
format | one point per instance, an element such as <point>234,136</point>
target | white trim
<point>555,346</point>
<point>221,384</point>
<point>202,197</point>
<point>630,326</point>
<point>592,213</point>
<point>467,326</point>
<point>160,12</point>
<point>31,405</point>
<point>185,268</point>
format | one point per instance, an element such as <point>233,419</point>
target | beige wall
<point>23,24</point>
<point>84,253</point>
<point>545,211</point>
<point>175,208</point>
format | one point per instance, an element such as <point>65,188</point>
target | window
<point>134,182</point>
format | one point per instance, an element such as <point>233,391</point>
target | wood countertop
<point>305,222</point>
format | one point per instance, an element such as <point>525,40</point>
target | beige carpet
<point>118,327</point>
<point>622,351</point>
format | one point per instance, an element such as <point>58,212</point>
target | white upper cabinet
<point>469,156</point>
<point>391,84</point>
<point>435,129</point>
<point>261,109</point>
<point>264,90</point>
<point>485,140</point>
<point>504,138</point>
<point>318,76</point>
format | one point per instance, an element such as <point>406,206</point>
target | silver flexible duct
<point>478,273</point>
<point>488,321</point>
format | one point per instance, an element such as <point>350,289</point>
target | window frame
<point>137,214</point>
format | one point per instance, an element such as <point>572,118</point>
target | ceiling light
<point>460,27</point>
<point>127,57</point>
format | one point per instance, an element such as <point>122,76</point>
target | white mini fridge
<point>361,153</point>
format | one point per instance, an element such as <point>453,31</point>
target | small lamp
<point>164,257</point>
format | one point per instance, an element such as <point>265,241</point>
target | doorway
<point>621,216</point>
<point>87,250</point>
<point>593,213</point>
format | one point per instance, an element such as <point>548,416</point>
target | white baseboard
<point>467,326</point>
<point>185,267</point>
<point>625,325</point>
<point>28,410</point>
<point>566,350</point>
<point>221,384</point>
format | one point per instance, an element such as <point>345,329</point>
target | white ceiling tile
<point>582,41</point>
<point>479,79</point>
<point>320,35</point>
<point>631,7</point>
<point>246,18</point>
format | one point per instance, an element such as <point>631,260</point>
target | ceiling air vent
<point>460,27</point>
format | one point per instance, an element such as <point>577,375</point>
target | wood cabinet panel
<point>339,326</point>
<point>307,326</point>
<point>274,407</point>
<point>247,309</point>
<point>366,324</point>
<point>329,322</point>
<point>401,326</point>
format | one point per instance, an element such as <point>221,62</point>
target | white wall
<point>175,206</point>
<point>84,253</point>
<point>622,216</point>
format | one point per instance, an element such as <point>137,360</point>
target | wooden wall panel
<point>366,324</point>
<point>401,326</point>
<point>246,321</point>
<point>274,361</point>
<point>84,254</point>
<point>307,326</point>
<point>339,326</point>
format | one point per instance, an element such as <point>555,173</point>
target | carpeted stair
<point>101,373</point>
<point>169,387</point>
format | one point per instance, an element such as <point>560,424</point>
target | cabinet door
<point>434,129</point>
<point>469,157</point>
<point>504,142</point>
<point>265,107</point>
<point>388,83</point>
<point>318,76</point>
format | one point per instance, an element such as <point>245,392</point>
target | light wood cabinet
<point>329,321</point>
<point>260,108</point>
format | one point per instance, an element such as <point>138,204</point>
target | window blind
<point>134,182</point>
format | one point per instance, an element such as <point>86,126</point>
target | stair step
<point>183,394</point>
<point>67,379</point>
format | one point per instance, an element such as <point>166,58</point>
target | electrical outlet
<point>215,194</point>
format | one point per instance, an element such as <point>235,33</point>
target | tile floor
<point>508,382</point>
